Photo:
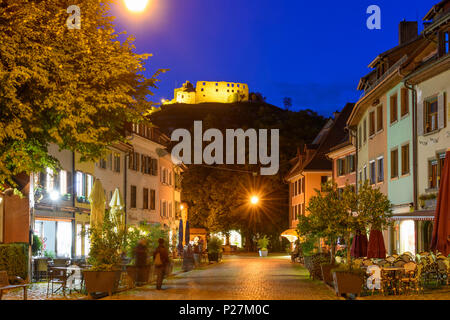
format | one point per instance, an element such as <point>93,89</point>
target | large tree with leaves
<point>73,87</point>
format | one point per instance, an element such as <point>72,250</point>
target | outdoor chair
<point>399,263</point>
<point>5,286</point>
<point>56,277</point>
<point>388,282</point>
<point>390,259</point>
<point>412,280</point>
<point>442,270</point>
<point>367,262</point>
<point>75,277</point>
<point>384,263</point>
<point>357,263</point>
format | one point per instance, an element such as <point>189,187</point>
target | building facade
<point>210,91</point>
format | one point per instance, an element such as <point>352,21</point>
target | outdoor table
<point>65,275</point>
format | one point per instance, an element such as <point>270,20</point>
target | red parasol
<point>376,248</point>
<point>359,245</point>
<point>441,229</point>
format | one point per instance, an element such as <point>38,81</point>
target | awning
<point>290,234</point>
<point>416,215</point>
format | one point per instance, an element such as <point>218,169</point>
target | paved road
<point>238,278</point>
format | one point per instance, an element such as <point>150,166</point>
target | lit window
<point>431,115</point>
<point>432,173</point>
<point>89,183</point>
<point>79,183</point>
<point>63,182</point>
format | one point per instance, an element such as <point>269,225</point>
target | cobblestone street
<point>238,278</point>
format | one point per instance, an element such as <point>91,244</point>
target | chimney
<point>407,31</point>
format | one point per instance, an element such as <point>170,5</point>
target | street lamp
<point>136,5</point>
<point>254,200</point>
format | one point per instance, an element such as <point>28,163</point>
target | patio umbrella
<point>376,248</point>
<point>180,236</point>
<point>117,213</point>
<point>97,200</point>
<point>359,245</point>
<point>441,229</point>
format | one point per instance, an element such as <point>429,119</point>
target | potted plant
<point>214,249</point>
<point>262,245</point>
<point>368,208</point>
<point>104,258</point>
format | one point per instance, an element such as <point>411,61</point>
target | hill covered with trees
<point>218,195</point>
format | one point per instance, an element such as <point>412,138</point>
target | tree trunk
<point>332,250</point>
<point>349,256</point>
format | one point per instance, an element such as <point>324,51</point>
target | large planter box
<point>101,281</point>
<point>140,275</point>
<point>213,257</point>
<point>312,263</point>
<point>326,273</point>
<point>263,253</point>
<point>347,283</point>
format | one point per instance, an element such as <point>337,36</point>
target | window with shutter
<point>379,118</point>
<point>152,199</point>
<point>441,110</point>
<point>405,102</point>
<point>394,163</point>
<point>405,159</point>
<point>431,115</point>
<point>394,108</point>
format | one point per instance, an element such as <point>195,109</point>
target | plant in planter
<point>105,256</point>
<point>36,247</point>
<point>214,249</point>
<point>262,245</point>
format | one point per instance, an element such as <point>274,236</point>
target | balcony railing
<point>393,68</point>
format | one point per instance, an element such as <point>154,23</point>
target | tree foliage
<point>218,195</point>
<point>75,88</point>
<point>334,213</point>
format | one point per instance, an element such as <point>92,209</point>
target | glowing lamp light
<point>54,195</point>
<point>181,207</point>
<point>254,200</point>
<point>136,5</point>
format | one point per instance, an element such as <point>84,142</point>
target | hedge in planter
<point>312,263</point>
<point>14,259</point>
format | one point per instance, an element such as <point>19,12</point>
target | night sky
<point>312,51</point>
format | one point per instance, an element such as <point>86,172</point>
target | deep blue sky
<point>312,51</point>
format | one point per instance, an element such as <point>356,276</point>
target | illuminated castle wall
<point>210,91</point>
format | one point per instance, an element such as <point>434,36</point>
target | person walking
<point>161,260</point>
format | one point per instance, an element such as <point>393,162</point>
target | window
<point>63,182</point>
<point>441,161</point>
<point>217,90</point>
<point>303,185</point>
<point>89,184</point>
<point>443,47</point>
<point>431,115</point>
<point>372,171</point>
<point>152,199</point>
<point>116,162</point>
<point>404,108</point>
<point>365,173</point>
<point>295,188</point>
<point>379,118</point>
<point>203,89</point>
<point>432,173</point>
<point>133,197</point>
<point>351,163</point>
<point>145,199</point>
<point>341,170</point>
<point>170,209</point>
<point>365,130</point>
<point>102,163</point>
<point>79,188</point>
<point>359,137</point>
<point>380,166</point>
<point>360,176</point>
<point>394,163</point>
<point>405,159</point>
<point>217,84</point>
<point>394,108</point>
<point>372,123</point>
<point>323,180</point>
